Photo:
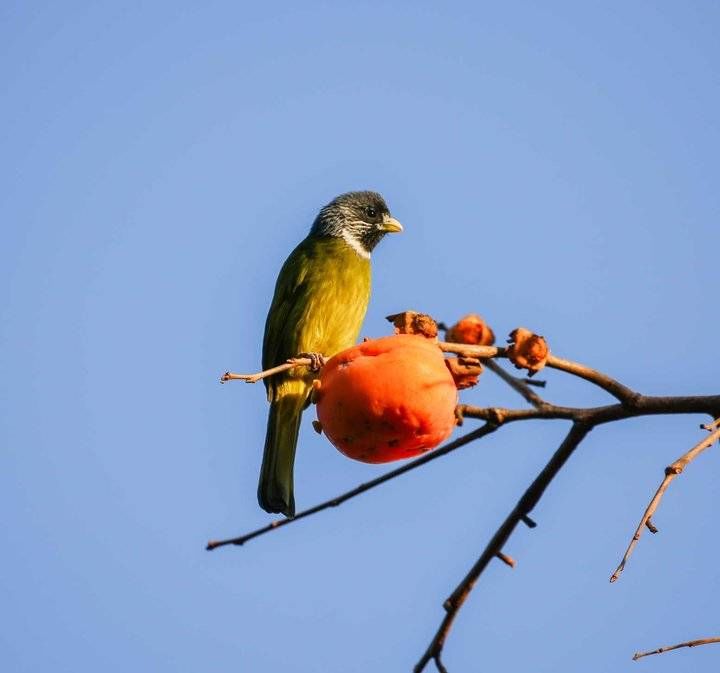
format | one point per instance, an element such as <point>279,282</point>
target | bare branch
<point>671,472</point>
<point>472,350</point>
<point>507,560</point>
<point>625,395</point>
<point>689,643</point>
<point>607,383</point>
<point>615,388</point>
<point>523,507</point>
<point>629,404</point>
<point>254,378</point>
<point>519,385</point>
<point>644,405</point>
<point>494,417</point>
<point>338,500</point>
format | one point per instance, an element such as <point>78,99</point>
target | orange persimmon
<point>386,399</point>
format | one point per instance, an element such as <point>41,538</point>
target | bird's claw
<point>317,360</point>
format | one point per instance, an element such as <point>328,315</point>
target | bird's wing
<point>281,327</point>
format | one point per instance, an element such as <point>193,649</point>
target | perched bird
<point>320,300</point>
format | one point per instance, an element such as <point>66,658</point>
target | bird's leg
<point>317,360</point>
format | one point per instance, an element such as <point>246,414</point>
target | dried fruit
<point>465,371</point>
<point>411,322</point>
<point>471,329</point>
<point>527,350</point>
<point>387,399</point>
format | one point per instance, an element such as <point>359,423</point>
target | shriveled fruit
<point>471,329</point>
<point>386,399</point>
<point>527,350</point>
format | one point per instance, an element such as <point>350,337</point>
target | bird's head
<point>360,218</point>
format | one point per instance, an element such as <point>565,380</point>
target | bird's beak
<point>390,225</point>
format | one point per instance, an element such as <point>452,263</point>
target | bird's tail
<point>275,490</point>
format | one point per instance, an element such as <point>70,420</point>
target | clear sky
<point>555,166</point>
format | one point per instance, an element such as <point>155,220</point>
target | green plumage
<point>320,300</point>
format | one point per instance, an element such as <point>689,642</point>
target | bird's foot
<point>317,360</point>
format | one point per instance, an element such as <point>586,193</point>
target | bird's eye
<point>370,211</point>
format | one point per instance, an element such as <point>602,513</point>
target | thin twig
<point>338,500</point>
<point>621,392</point>
<point>607,383</point>
<point>254,378</point>
<point>507,560</point>
<point>519,385</point>
<point>689,643</point>
<point>671,472</point>
<point>472,350</point>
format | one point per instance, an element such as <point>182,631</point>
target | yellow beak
<point>391,225</point>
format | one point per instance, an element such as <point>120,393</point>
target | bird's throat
<point>355,244</point>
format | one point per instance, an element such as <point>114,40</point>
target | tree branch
<point>494,417</point>
<point>338,500</point>
<point>671,472</point>
<point>523,508</point>
<point>519,385</point>
<point>630,404</point>
<point>689,643</point>
<point>615,388</point>
<point>607,383</point>
<point>298,361</point>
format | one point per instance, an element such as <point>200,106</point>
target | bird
<point>318,307</point>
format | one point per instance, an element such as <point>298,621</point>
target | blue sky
<point>554,166</point>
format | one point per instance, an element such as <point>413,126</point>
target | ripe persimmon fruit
<point>386,399</point>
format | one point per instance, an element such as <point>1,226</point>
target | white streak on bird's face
<point>355,243</point>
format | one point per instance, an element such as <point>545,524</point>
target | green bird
<point>319,304</point>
